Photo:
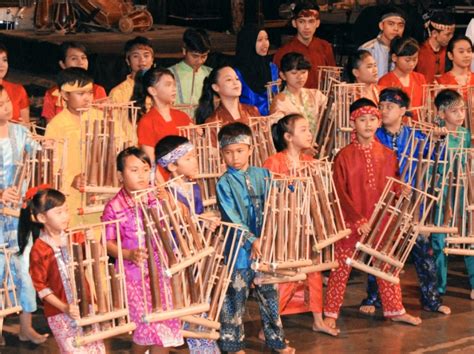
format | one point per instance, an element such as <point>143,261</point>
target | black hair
<point>3,49</point>
<point>396,91</point>
<point>167,144</point>
<point>404,46</point>
<point>233,130</point>
<point>206,102</point>
<point>442,18</point>
<point>450,48</point>
<point>144,80</point>
<point>196,40</point>
<point>42,201</point>
<point>284,125</point>
<point>65,46</point>
<point>294,61</point>
<point>361,102</point>
<point>305,5</point>
<point>73,75</point>
<point>354,63</point>
<point>447,97</point>
<point>137,42</point>
<point>131,151</point>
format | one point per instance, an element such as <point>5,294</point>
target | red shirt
<point>414,90</point>
<point>18,96</point>
<point>449,79</point>
<point>52,103</point>
<point>431,63</point>
<point>279,163</point>
<point>318,52</point>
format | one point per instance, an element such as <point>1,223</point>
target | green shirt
<point>187,93</point>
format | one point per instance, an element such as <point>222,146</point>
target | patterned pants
<point>390,294</point>
<point>232,333</point>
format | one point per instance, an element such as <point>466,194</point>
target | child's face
<point>367,71</point>
<point>406,64</point>
<point>454,115</point>
<point>365,126</point>
<point>195,59</point>
<point>392,27</point>
<point>186,165</point>
<point>164,89</point>
<point>78,100</point>
<point>391,112</point>
<point>140,58</point>
<point>295,79</point>
<point>3,65</point>
<point>228,83</point>
<point>6,108</point>
<point>262,44</point>
<point>135,175</point>
<point>75,58</point>
<point>306,27</point>
<point>301,137</point>
<point>237,155</point>
<point>461,55</point>
<point>443,37</point>
<point>56,219</point>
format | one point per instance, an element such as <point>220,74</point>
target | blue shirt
<point>381,54</point>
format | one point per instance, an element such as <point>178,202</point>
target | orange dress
<point>297,297</point>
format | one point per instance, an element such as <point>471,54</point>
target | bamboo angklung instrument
<point>325,75</point>
<point>262,139</point>
<point>270,86</point>
<point>9,302</point>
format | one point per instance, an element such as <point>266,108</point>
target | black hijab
<point>254,68</point>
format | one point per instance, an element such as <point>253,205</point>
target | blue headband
<point>175,155</point>
<point>239,139</point>
<point>392,97</point>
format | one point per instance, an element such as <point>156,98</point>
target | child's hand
<point>256,253</point>
<point>214,224</point>
<point>163,194</point>
<point>439,132</point>
<point>73,311</point>
<point>406,191</point>
<point>79,182</point>
<point>364,229</point>
<point>137,256</point>
<point>10,195</point>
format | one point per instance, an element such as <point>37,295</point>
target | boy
<point>318,51</point>
<point>432,55</point>
<point>191,71</point>
<point>391,25</point>
<point>72,55</point>
<point>241,193</point>
<point>360,172</point>
<point>451,112</point>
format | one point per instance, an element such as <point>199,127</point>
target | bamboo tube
<point>80,277</point>
<point>280,227</point>
<point>98,281</point>
<point>93,177</point>
<point>152,272</point>
<point>365,268</point>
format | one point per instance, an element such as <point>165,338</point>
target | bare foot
<point>444,310</point>
<point>330,322</point>
<point>33,336</point>
<point>287,350</point>
<point>320,326</point>
<point>367,309</point>
<point>406,318</point>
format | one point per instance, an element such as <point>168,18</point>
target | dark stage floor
<point>359,334</point>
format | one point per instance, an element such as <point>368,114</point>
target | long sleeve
<point>39,272</point>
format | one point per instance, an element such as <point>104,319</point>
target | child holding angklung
<point>241,193</point>
<point>47,214</point>
<point>291,137</point>
<point>134,167</point>
<point>360,174</point>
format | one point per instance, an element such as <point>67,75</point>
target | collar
<point>185,67</point>
<point>397,134</point>
<point>51,242</point>
<point>235,171</point>
<point>379,40</point>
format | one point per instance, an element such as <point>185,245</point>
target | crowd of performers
<point>410,100</point>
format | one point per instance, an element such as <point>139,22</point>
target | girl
<point>16,92</point>
<point>404,53</point>
<point>14,140</point>
<point>459,53</point>
<point>224,84</point>
<point>134,167</point>
<point>361,68</point>
<point>295,98</point>
<point>162,119</point>
<point>254,68</point>
<point>50,258</point>
<point>291,136</point>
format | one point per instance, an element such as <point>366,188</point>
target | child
<point>134,167</point>
<point>361,68</point>
<point>14,140</point>
<point>319,52</point>
<point>460,55</point>
<point>451,112</point>
<point>253,67</point>
<point>291,137</point>
<point>432,56</point>
<point>360,172</point>
<point>50,260</point>
<point>241,193</point>
<point>396,136</point>
<point>295,98</point>
<point>404,52</point>
<point>191,71</point>
<point>73,55</point>
<point>161,120</point>
<point>223,83</point>
<point>391,25</point>
<point>16,92</point>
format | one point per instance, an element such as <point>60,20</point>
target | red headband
<point>30,193</point>
<point>365,110</point>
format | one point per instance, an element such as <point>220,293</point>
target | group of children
<point>394,71</point>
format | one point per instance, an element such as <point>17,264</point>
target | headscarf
<point>254,68</point>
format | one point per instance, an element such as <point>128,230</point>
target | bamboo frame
<point>325,75</point>
<point>270,94</point>
<point>9,302</point>
<point>262,140</point>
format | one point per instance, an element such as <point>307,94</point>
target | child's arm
<point>137,255</point>
<point>69,309</point>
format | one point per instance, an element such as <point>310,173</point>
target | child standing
<point>291,137</point>
<point>134,167</point>
<point>361,68</point>
<point>360,172</point>
<point>50,258</point>
<point>241,193</point>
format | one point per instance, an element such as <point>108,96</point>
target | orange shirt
<point>449,79</point>
<point>431,63</point>
<point>18,96</point>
